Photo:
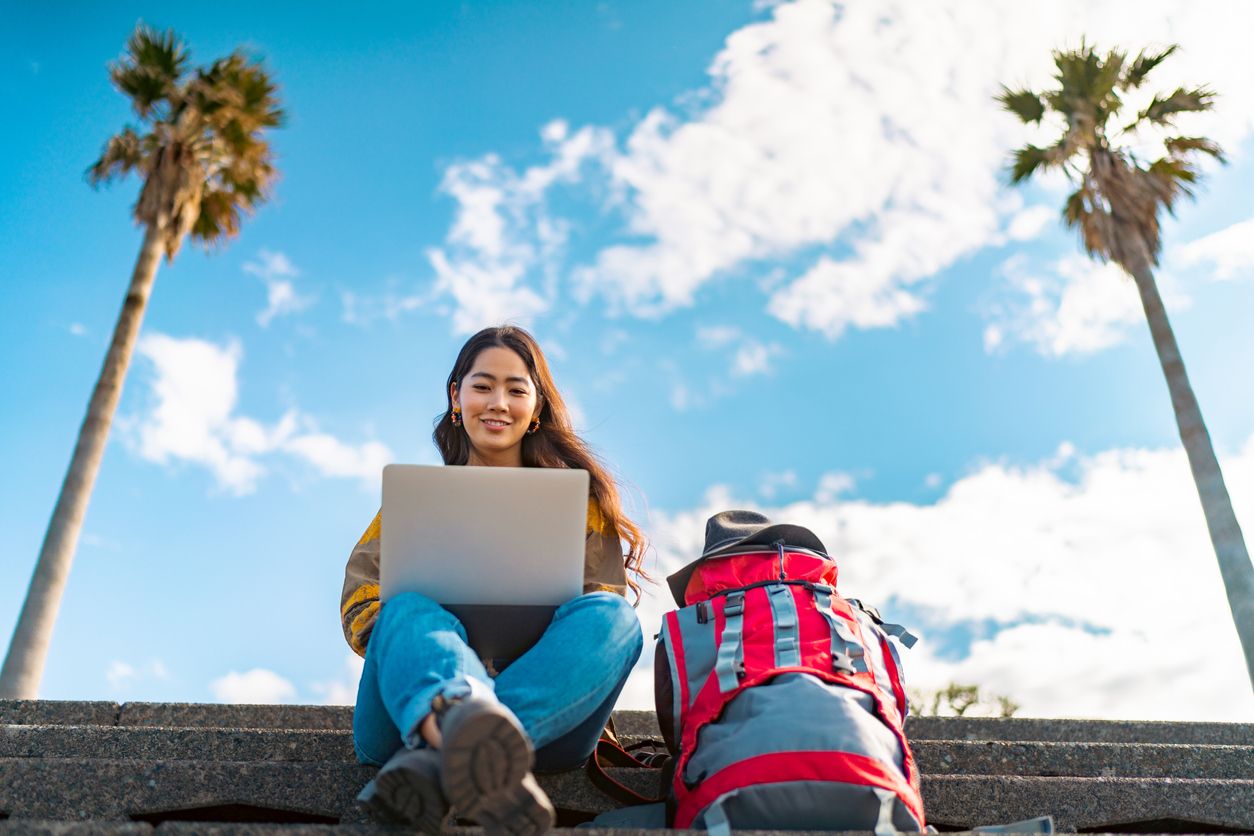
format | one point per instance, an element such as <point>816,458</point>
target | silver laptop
<point>499,547</point>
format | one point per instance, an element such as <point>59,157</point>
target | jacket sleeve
<point>359,600</point>
<point>603,566</point>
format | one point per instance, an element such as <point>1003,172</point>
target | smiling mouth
<point>492,422</point>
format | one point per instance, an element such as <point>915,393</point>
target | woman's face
<point>498,401</point>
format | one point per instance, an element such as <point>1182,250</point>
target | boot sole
<point>404,798</point>
<point>486,775</point>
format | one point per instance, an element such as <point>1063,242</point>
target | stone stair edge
<point>934,757</point>
<point>33,790</point>
<point>637,722</point>
<point>92,828</point>
<point>60,828</point>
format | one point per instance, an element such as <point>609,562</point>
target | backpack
<point>781,702</point>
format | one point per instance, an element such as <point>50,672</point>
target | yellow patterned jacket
<point>603,570</point>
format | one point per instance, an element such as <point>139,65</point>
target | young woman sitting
<point>446,730</point>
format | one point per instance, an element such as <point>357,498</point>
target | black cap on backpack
<point>729,531</point>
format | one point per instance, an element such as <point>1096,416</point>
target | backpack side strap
<point>609,754</point>
<point>847,653</point>
<point>729,666</point>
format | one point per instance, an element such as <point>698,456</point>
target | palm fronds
<point>1162,110</point>
<point>1143,64</point>
<point>1022,103</point>
<point>122,154</point>
<point>150,70</point>
<point>203,151</point>
<point>1116,203</point>
<point>1181,145</point>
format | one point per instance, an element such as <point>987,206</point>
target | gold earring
<point>456,417</point>
<point>534,428</point>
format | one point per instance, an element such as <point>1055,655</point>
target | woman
<point>446,730</point>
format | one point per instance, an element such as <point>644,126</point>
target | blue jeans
<point>562,690</point>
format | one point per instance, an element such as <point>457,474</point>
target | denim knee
<point>406,605</point>
<point>624,632</point>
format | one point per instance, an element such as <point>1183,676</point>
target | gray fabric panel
<point>794,712</point>
<point>885,826</point>
<point>807,805</point>
<point>787,635</point>
<point>845,646</point>
<point>875,654</point>
<point>901,677</point>
<point>677,697</point>
<point>699,649</point>
<point>731,652</point>
<point>901,634</point>
<point>640,816</point>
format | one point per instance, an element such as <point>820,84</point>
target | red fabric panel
<point>895,675</point>
<point>742,570</point>
<point>758,632</point>
<point>708,702</point>
<point>779,767</point>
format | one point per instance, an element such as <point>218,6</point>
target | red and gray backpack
<point>781,702</point>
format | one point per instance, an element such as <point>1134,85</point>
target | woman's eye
<point>481,387</point>
<point>520,392</point>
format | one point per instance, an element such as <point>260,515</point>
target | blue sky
<point>770,252</point>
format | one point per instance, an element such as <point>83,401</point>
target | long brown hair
<point>554,444</point>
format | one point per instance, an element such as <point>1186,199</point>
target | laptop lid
<point>483,535</point>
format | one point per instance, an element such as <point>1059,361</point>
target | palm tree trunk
<point>24,663</point>
<point>1221,520</point>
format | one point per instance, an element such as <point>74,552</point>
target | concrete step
<point>636,723</point>
<point>1078,731</point>
<point>1083,760</point>
<point>59,712</point>
<point>321,793</point>
<point>163,744</point>
<point>939,757</point>
<point>180,715</point>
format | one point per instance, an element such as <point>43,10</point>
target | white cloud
<point>362,310</point>
<point>614,339</point>
<point>255,687</point>
<point>195,389</point>
<point>119,674</point>
<point>863,138</point>
<point>277,272</point>
<point>333,457</point>
<point>717,336</point>
<point>834,295</point>
<point>770,485</point>
<point>812,138</point>
<point>341,690</point>
<point>1229,252</point>
<point>833,485</point>
<point>681,397</point>
<point>125,677</point>
<point>1077,306</point>
<point>1092,594</point>
<point>78,329</point>
<point>1029,223</point>
<point>504,239</point>
<point>192,418</point>
<point>751,357</point>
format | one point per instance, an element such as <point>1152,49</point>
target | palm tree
<point>1115,208</point>
<point>204,161</point>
